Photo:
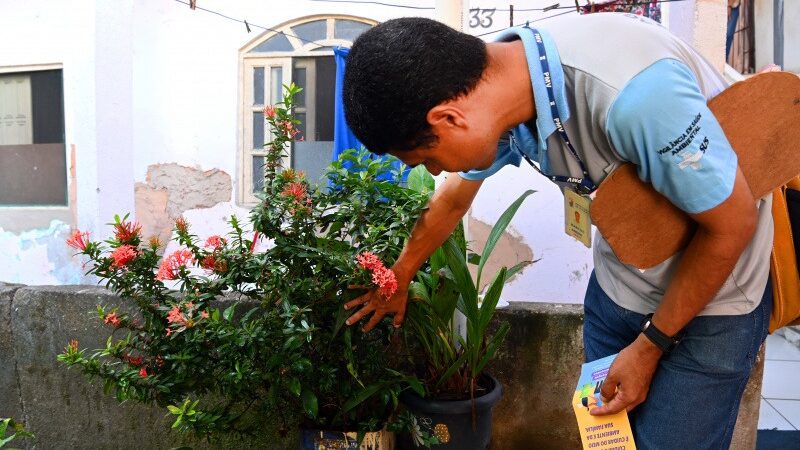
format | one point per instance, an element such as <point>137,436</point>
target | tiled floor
<point>780,393</point>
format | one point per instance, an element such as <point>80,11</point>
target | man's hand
<point>374,302</point>
<point>629,377</point>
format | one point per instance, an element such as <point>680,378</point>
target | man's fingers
<point>399,318</point>
<point>376,318</point>
<point>616,405</point>
<point>368,308</point>
<point>358,301</point>
<point>609,388</point>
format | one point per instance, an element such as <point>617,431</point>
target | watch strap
<point>662,341</point>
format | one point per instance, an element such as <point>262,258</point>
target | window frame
<point>248,61</point>
<point>19,218</point>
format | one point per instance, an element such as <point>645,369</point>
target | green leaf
<point>456,260</point>
<point>518,267</point>
<point>473,258</point>
<point>492,347</point>
<point>498,230</point>
<point>310,403</point>
<point>420,180</point>
<point>361,396</point>
<point>228,313</point>
<point>174,409</point>
<point>418,291</point>
<point>490,300</point>
<point>3,426</point>
<point>452,369</point>
<point>294,386</point>
<point>215,315</point>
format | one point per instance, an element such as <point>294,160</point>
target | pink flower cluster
<point>122,255</point>
<point>382,276</point>
<point>112,319</point>
<point>171,265</point>
<point>214,242</point>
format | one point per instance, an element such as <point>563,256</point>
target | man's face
<point>453,152</point>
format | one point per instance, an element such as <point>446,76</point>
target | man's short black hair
<point>400,69</point>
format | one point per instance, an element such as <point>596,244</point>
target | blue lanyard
<point>583,185</point>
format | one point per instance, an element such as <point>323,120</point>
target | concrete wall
<point>538,368</point>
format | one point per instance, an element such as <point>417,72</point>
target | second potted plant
<point>457,410</point>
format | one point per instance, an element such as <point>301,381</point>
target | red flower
<point>171,265</point>
<point>296,190</point>
<point>127,231</point>
<point>270,111</point>
<point>386,281</point>
<point>369,261</point>
<point>111,318</point>
<point>214,242</point>
<point>123,255</point>
<point>208,262</point>
<point>169,331</point>
<point>78,240</point>
<point>204,314</point>
<point>134,360</point>
<point>176,316</point>
<point>143,372</point>
<point>73,346</point>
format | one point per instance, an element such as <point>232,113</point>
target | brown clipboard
<point>761,119</point>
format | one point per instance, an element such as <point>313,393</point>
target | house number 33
<point>481,17</point>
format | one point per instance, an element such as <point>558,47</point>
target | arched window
<point>302,55</point>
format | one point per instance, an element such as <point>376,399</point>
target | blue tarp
<point>343,137</point>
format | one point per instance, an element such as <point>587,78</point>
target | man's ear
<point>446,117</point>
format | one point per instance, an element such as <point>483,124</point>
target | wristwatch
<point>657,337</point>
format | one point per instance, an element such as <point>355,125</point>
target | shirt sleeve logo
<point>679,147</point>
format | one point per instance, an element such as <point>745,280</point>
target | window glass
<point>349,30</point>
<point>277,43</point>
<point>16,121</point>
<point>32,154</point>
<point>258,130</point>
<point>258,174</point>
<point>311,31</point>
<point>276,85</point>
<point>258,85</point>
<point>299,78</point>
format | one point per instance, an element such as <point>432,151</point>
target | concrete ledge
<point>538,368</point>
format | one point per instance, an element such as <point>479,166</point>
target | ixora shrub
<point>247,333</point>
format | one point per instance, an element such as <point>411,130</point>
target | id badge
<point>578,224</point>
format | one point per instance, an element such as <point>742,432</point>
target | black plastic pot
<point>451,420</point>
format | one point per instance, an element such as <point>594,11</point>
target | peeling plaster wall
<point>171,189</point>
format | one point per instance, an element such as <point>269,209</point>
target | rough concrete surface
<point>538,367</point>
<point>10,405</point>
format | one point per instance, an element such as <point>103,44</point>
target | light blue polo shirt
<point>629,91</point>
